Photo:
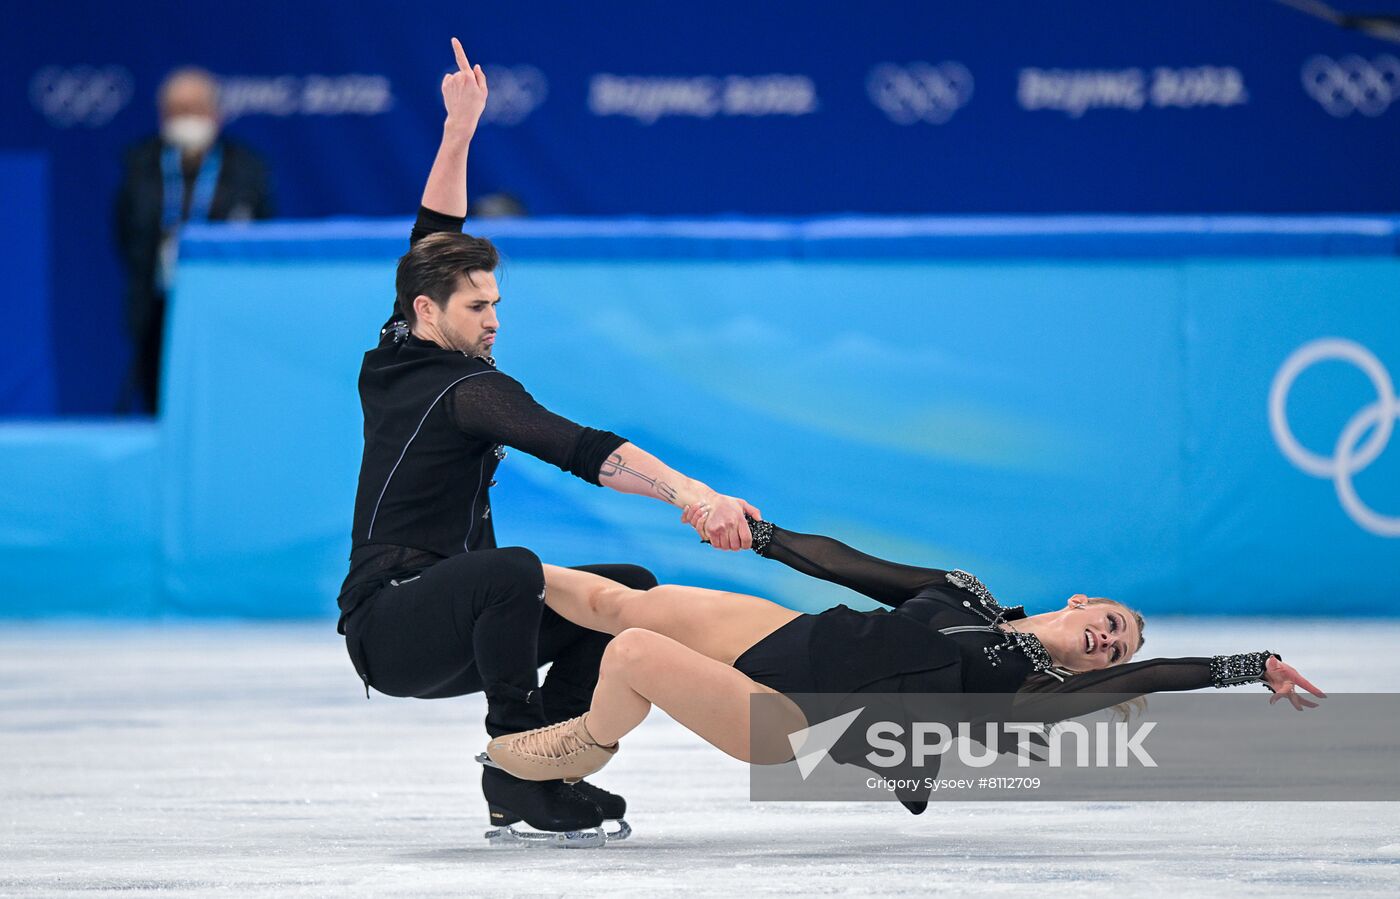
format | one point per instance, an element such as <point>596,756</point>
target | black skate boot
<point>613,807</point>
<point>560,816</point>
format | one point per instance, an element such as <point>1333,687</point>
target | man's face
<point>189,95</point>
<point>468,322</point>
<point>189,113</point>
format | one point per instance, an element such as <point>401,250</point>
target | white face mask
<point>191,133</point>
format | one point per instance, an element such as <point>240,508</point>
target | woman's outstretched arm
<point>831,560</point>
<point>1081,694</point>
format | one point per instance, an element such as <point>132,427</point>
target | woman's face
<point>1089,636</point>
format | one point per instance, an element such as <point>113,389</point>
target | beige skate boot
<point>565,751</point>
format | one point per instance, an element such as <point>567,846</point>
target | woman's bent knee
<point>629,649</point>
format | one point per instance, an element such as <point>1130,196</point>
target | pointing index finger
<point>461,55</point>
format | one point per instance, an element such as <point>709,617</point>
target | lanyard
<point>204,184</point>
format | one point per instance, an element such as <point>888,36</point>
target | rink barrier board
<point>836,237</point>
<point>1058,404</point>
<point>78,532</point>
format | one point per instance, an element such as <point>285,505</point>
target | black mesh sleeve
<point>431,222</point>
<point>1135,678</point>
<point>831,560</point>
<point>591,450</point>
<point>496,408</point>
<point>1079,694</point>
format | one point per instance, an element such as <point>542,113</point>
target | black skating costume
<point>431,607</point>
<point>942,637</point>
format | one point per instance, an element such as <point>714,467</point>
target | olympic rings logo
<point>516,91</point>
<point>1352,84</point>
<point>82,95</point>
<point>1351,455</point>
<point>919,92</point>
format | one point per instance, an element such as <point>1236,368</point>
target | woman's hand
<point>1282,678</point>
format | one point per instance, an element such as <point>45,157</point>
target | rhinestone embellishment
<point>762,534</point>
<point>994,611</point>
<point>996,614</point>
<point>1028,644</point>
<point>1241,668</point>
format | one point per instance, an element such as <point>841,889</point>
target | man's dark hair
<point>436,265</point>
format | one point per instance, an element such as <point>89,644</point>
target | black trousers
<point>146,357</point>
<point>478,622</point>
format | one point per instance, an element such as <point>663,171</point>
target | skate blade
<point>593,838</point>
<point>623,831</point>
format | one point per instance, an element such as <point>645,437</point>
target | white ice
<point>242,760</point>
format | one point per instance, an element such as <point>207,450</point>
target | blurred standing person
<point>186,173</point>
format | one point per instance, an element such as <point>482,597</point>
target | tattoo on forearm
<point>614,467</point>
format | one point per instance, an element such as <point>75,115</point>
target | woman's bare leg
<point>715,623</point>
<point>642,668</point>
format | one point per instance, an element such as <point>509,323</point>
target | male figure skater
<point>431,608</point>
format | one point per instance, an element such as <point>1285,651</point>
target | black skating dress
<point>944,636</point>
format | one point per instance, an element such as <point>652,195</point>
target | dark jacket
<point>243,192</point>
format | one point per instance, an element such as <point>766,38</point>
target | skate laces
<point>554,742</point>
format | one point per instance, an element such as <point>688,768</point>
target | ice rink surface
<point>245,761</point>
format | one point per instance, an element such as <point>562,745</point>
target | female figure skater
<point>699,654</point>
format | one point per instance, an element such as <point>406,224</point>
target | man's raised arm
<point>498,409</point>
<point>464,94</point>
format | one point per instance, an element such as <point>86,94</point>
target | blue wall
<point>1057,405</point>
<point>79,510</point>
<point>788,107</point>
<point>27,371</point>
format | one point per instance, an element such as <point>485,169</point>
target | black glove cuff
<point>1241,668</point>
<point>762,532</point>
